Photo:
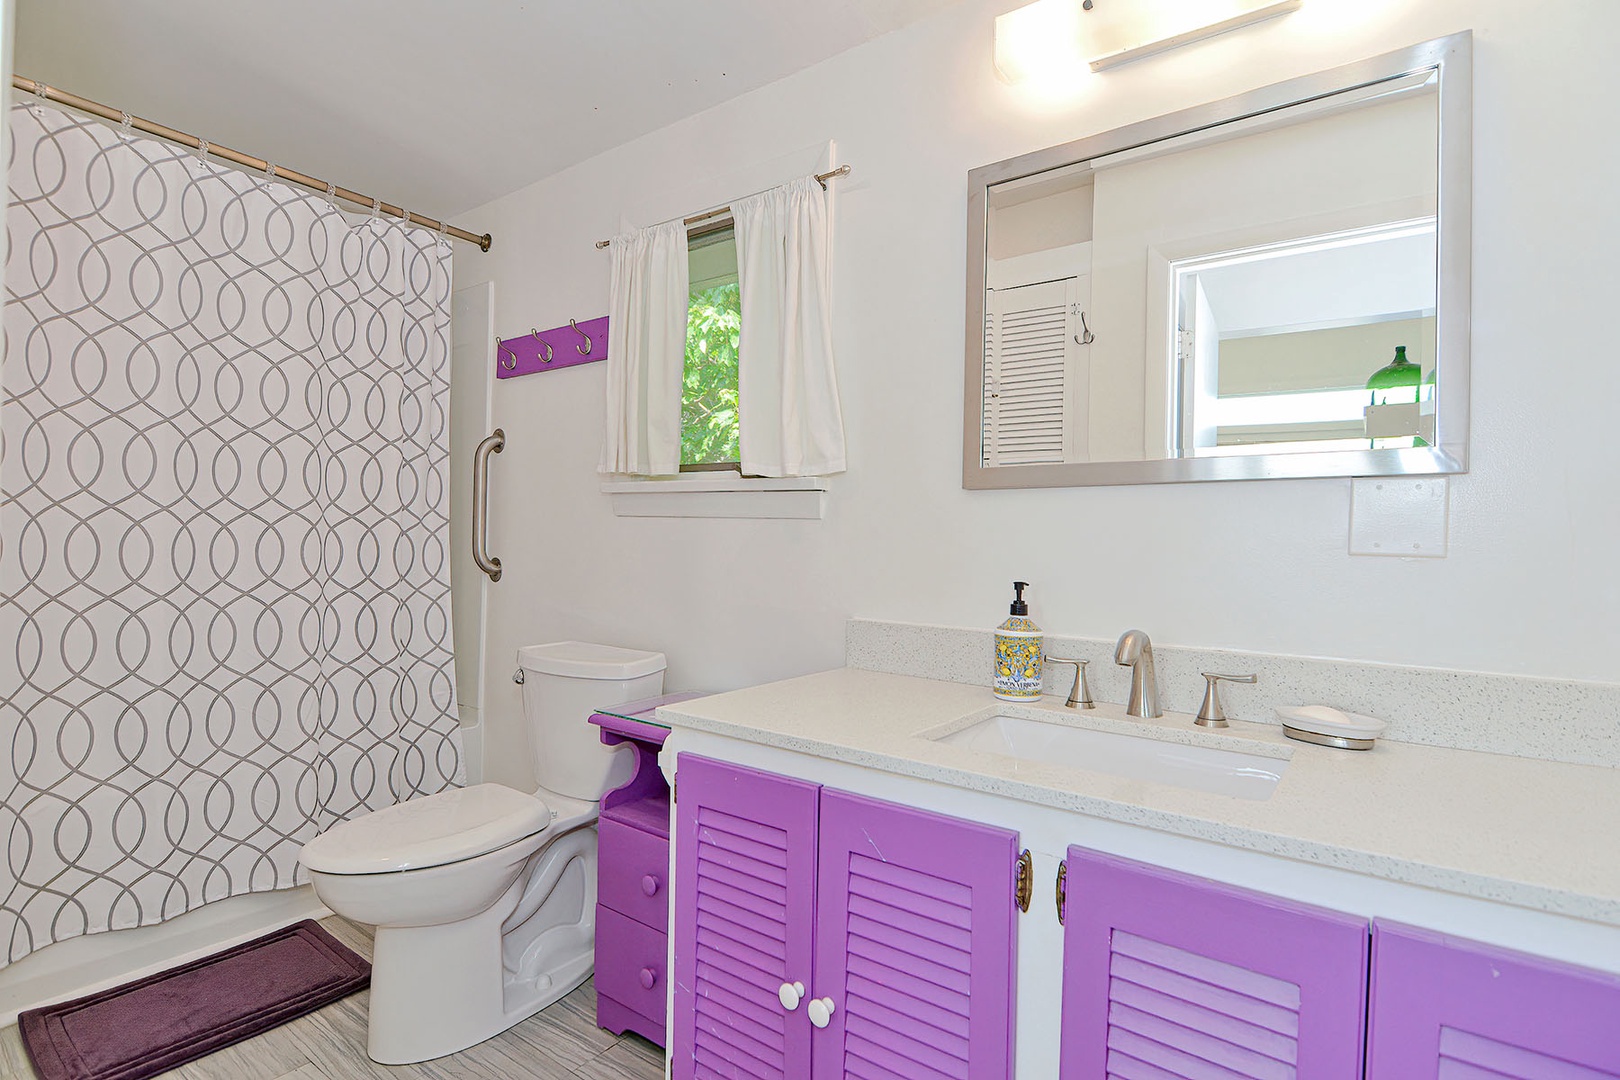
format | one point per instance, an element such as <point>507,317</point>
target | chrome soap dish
<point>1327,726</point>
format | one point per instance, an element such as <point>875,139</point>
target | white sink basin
<point>1139,757</point>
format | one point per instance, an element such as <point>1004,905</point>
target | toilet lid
<point>429,831</point>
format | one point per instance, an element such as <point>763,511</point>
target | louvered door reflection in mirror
<point>1273,285</point>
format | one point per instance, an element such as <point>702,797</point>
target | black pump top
<point>1019,607</point>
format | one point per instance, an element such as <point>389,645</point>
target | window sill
<point>719,495</point>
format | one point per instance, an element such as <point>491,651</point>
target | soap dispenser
<point>1018,652</point>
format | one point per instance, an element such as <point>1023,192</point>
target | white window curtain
<point>787,392</point>
<point>642,430</point>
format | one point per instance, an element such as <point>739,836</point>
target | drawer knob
<point>789,994</point>
<point>648,978</point>
<point>649,885</point>
<point>821,1010</point>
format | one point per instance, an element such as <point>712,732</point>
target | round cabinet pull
<point>649,885</point>
<point>648,978</point>
<point>790,995</point>
<point>821,1010</point>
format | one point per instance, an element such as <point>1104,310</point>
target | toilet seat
<point>433,830</point>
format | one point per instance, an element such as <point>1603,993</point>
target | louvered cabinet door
<point>744,920</point>
<point>1171,976</point>
<point>1448,1009</point>
<point>915,944</point>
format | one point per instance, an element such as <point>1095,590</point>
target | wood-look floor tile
<point>334,1041</point>
<point>265,1057</point>
<point>623,1062</point>
<point>644,1048</point>
<point>14,1063</point>
<point>565,1034</point>
<point>308,1072</point>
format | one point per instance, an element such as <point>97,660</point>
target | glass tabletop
<point>644,711</point>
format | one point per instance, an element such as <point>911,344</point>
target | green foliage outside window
<point>709,384</point>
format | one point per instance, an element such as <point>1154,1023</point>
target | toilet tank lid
<point>430,830</point>
<point>582,660</point>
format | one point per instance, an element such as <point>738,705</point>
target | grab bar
<point>492,444</point>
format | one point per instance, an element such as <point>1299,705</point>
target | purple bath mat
<point>161,1022</point>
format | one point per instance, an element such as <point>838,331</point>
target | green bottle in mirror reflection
<point>1399,382</point>
<point>1396,383</point>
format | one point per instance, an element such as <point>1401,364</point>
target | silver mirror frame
<point>1452,58</point>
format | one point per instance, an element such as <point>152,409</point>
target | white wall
<point>1532,582</point>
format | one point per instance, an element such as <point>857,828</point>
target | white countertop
<point>1539,834</point>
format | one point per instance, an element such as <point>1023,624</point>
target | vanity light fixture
<point>1051,36</point>
<point>1038,40</point>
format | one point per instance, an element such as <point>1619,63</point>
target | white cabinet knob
<point>790,995</point>
<point>821,1010</point>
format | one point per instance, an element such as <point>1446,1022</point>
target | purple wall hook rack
<point>548,350</point>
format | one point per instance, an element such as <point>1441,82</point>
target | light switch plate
<point>1400,515</point>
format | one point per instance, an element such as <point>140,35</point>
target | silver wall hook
<point>546,355</point>
<point>509,365</point>
<point>585,349</point>
<point>1087,337</point>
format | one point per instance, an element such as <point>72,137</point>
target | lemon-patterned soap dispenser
<point>1018,652</point>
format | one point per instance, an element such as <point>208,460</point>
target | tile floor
<point>561,1043</point>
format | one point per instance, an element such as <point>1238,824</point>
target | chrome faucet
<point>1135,651</point>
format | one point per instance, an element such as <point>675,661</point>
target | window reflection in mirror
<point>1240,289</point>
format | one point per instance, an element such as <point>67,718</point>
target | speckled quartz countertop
<point>1538,834</point>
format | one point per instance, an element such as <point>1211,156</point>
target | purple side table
<point>632,877</point>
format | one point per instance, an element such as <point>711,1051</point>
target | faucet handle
<point>1080,695</point>
<point>1210,713</point>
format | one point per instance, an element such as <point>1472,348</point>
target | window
<point>709,431</point>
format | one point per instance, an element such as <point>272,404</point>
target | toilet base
<point>439,989</point>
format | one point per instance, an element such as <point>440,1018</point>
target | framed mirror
<point>1274,285</point>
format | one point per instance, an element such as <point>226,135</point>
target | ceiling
<point>441,105</point>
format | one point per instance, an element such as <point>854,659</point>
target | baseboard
<point>80,966</point>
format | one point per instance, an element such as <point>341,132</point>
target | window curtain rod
<point>236,157</point>
<point>695,219</point>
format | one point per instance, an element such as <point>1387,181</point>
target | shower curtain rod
<point>236,157</point>
<point>821,178</point>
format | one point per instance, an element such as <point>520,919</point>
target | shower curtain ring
<point>404,218</point>
<point>546,356</point>
<point>509,365</point>
<point>125,125</point>
<point>376,209</point>
<point>585,349</point>
<point>202,151</point>
<point>269,173</point>
<point>331,194</point>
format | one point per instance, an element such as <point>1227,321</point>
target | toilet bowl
<point>484,898</point>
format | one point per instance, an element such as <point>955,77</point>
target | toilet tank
<point>563,683</point>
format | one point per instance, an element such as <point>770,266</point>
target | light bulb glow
<point>1039,40</point>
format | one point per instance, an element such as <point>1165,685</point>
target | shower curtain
<point>224,575</point>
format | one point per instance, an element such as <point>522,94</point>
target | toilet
<point>484,898</point>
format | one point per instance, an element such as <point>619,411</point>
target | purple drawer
<point>632,873</point>
<point>630,964</point>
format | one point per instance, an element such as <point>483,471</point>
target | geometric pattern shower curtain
<point>224,565</point>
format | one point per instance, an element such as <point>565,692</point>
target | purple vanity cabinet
<point>632,909</point>
<point>915,943</point>
<point>1167,975</point>
<point>908,917</point>
<point>1445,1007</point>
<point>744,921</point>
